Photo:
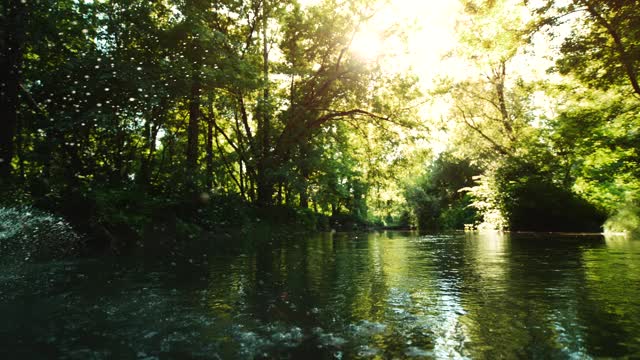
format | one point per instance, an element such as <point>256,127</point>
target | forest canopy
<point>503,114</point>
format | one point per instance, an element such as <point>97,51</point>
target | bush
<point>538,205</point>
<point>347,222</point>
<point>223,211</point>
<point>626,219</point>
<point>521,196</point>
<point>458,214</point>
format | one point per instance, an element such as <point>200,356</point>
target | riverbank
<point>118,221</point>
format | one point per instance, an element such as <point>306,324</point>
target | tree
<point>13,33</point>
<point>117,105</point>
<point>595,116</point>
<point>492,103</point>
<point>523,181</point>
<point>603,48</point>
<point>437,199</point>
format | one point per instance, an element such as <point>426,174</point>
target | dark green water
<point>379,295</point>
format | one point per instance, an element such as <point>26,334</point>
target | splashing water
<point>28,234</point>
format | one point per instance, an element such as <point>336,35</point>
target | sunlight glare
<point>429,27</point>
<point>367,45</point>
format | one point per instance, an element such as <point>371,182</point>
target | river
<point>334,296</point>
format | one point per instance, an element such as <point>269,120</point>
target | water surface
<point>332,296</point>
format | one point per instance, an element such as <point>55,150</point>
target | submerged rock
<point>414,351</point>
<point>367,328</point>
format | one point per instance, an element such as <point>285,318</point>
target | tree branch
<point>469,122</point>
<point>349,113</point>
<point>624,57</point>
<point>226,164</point>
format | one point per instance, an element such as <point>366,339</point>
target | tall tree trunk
<point>210,154</point>
<point>264,166</point>
<point>500,75</point>
<point>151,130</point>
<point>304,194</point>
<point>279,199</point>
<point>194,117</point>
<point>242,178</point>
<point>304,198</point>
<point>305,172</point>
<point>266,111</point>
<point>287,194</point>
<point>118,171</point>
<point>11,66</point>
<point>251,188</point>
<point>264,185</point>
<point>19,147</point>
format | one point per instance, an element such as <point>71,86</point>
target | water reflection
<point>377,295</point>
<point>612,291</point>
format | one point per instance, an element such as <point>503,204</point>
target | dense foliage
<point>113,111</point>
<point>123,116</point>
<point>555,151</point>
<point>438,199</point>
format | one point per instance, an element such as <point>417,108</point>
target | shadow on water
<point>327,296</point>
